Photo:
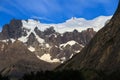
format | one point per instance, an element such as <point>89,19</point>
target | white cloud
<point>13,4</point>
<point>2,9</point>
<point>52,7</point>
<point>38,6</point>
<point>41,18</point>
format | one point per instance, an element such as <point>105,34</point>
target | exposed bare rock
<point>15,58</point>
<point>103,51</point>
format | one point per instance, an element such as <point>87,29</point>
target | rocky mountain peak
<point>31,46</point>
<point>90,29</point>
<point>47,41</point>
<point>12,30</point>
<point>102,53</point>
<point>49,31</point>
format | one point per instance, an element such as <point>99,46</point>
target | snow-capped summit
<point>53,42</point>
<point>70,24</point>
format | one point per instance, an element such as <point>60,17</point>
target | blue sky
<point>55,11</point>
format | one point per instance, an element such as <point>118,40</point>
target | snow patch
<point>32,49</point>
<point>2,47</point>
<point>47,58</point>
<point>30,25</point>
<point>56,46</point>
<point>13,40</point>
<point>40,40</point>
<point>47,45</point>
<point>77,51</point>
<point>81,45</point>
<point>63,59</point>
<point>71,56</point>
<point>7,40</point>
<point>71,43</point>
<point>23,39</point>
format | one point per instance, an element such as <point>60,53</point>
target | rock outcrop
<point>103,51</point>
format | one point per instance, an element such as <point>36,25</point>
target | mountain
<point>47,41</point>
<point>28,45</point>
<point>103,51</point>
<point>16,60</point>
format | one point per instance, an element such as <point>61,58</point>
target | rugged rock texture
<point>23,46</point>
<point>20,47</point>
<point>32,40</point>
<point>103,51</point>
<point>47,41</point>
<point>16,59</point>
<point>13,30</point>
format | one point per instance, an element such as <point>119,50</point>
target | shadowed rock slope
<point>16,59</point>
<point>103,51</point>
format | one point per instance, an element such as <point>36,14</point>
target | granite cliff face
<point>12,30</point>
<point>103,51</point>
<point>56,45</point>
<point>24,47</point>
<point>16,60</point>
<point>23,50</point>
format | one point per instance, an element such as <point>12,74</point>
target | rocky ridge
<point>57,47</point>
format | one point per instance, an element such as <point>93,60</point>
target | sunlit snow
<point>69,25</point>
<point>47,58</point>
<point>32,49</point>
